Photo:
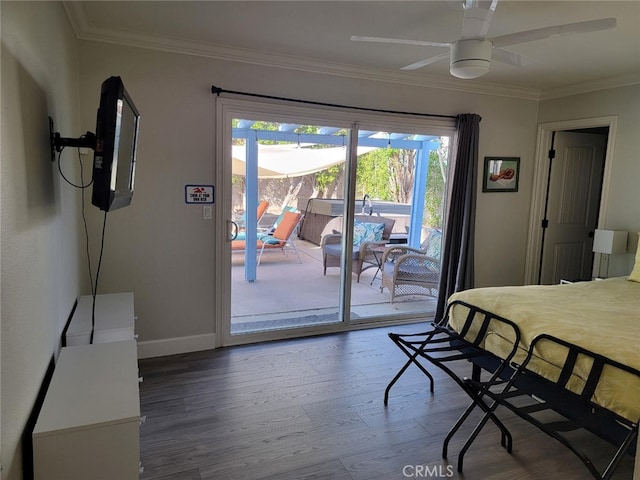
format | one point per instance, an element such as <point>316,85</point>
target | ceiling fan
<point>471,55</point>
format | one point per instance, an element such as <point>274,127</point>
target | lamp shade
<point>610,241</point>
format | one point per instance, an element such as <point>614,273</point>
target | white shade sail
<point>291,160</point>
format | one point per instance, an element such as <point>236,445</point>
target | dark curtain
<point>457,252</point>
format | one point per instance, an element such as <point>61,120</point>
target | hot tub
<point>324,215</point>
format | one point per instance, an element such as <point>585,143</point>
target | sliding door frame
<point>228,108</point>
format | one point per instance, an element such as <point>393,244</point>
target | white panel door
<point>575,184</point>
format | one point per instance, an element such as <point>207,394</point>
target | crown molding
<point>234,54</point>
<point>588,87</point>
<point>85,31</point>
<point>76,16</point>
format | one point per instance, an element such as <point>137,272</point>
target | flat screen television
<point>114,159</point>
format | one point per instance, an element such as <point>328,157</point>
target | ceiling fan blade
<point>510,58</point>
<point>546,32</point>
<point>425,62</point>
<point>477,18</point>
<point>401,41</point>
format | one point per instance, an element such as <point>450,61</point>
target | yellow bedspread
<point>602,316</point>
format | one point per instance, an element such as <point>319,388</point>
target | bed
<point>562,357</point>
<point>589,375</point>
<point>602,316</point>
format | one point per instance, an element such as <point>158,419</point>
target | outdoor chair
<point>242,221</point>
<point>369,231</point>
<point>277,221</point>
<point>412,271</point>
<point>282,238</point>
<point>270,229</point>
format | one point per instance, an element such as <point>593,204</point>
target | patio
<point>289,294</point>
<point>283,293</point>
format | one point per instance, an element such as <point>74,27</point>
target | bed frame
<point>510,383</point>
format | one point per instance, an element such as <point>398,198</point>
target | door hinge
<point>545,223</point>
<point>552,154</point>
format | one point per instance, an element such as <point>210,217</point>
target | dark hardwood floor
<point>313,408</point>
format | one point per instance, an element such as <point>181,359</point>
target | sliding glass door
<point>297,185</point>
<point>277,281</point>
<point>400,183</point>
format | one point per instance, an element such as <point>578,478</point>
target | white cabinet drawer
<point>114,318</point>
<point>88,426</point>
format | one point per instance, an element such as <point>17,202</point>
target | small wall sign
<point>201,194</point>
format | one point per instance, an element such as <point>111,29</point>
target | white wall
<point>623,203</point>
<point>162,250</point>
<point>41,269</point>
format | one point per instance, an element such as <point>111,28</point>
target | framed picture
<point>501,174</point>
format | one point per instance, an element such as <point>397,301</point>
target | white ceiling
<point>315,35</point>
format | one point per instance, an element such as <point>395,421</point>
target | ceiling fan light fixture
<point>470,58</point>
<point>468,69</point>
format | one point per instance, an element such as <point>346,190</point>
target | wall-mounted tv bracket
<point>88,140</point>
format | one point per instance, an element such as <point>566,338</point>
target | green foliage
<point>388,174</point>
<point>382,174</point>
<point>327,179</point>
<point>436,183</point>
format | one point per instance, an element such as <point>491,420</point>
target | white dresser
<point>114,315</point>
<point>89,424</point>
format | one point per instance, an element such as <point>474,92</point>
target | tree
<point>386,174</point>
<point>436,182</point>
<point>326,181</point>
<point>389,173</point>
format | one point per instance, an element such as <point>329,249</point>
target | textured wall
<point>40,251</point>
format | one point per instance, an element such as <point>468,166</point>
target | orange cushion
<point>237,245</point>
<point>286,226</point>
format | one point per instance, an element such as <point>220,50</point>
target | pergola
<point>327,136</point>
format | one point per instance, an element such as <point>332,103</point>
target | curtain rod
<point>217,91</point>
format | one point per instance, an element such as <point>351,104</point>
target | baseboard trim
<point>174,346</point>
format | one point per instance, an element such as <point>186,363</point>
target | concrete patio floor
<point>286,289</point>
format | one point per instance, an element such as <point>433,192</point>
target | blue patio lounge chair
<point>282,238</point>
